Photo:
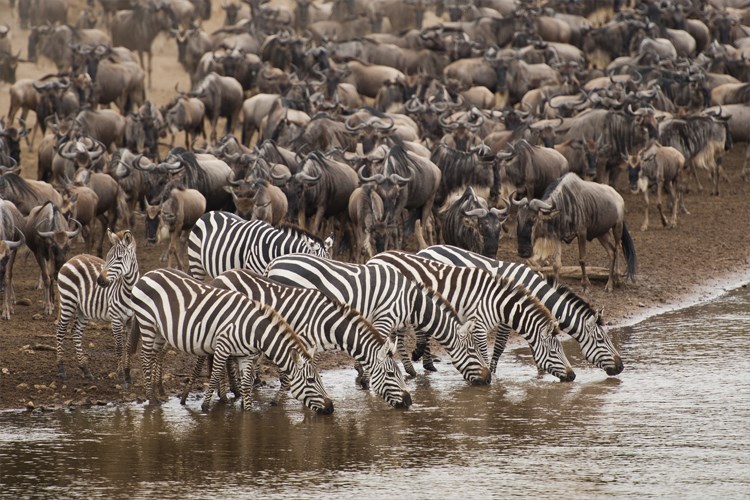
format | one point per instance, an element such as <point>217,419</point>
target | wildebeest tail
<point>628,248</point>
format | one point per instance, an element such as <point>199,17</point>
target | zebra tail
<point>133,338</point>
<point>628,248</point>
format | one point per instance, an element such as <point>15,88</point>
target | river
<point>675,423</point>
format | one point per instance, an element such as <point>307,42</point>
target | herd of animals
<point>367,128</point>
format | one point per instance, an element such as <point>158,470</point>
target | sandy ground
<point>708,251</point>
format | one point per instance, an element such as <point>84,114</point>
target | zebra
<point>327,324</point>
<point>576,316</point>
<point>171,307</point>
<point>389,301</point>
<point>91,288</point>
<point>221,241</point>
<point>493,304</point>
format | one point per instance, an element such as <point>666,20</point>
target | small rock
<point>100,402</point>
<point>112,375</point>
<point>37,316</point>
<point>40,387</point>
<point>91,345</point>
<point>5,371</point>
<point>30,405</point>
<point>53,385</point>
<point>22,385</point>
<point>92,388</point>
<point>23,302</point>
<point>641,304</point>
<point>68,402</point>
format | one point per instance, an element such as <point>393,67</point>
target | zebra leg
<point>234,374</point>
<point>62,327</point>
<point>363,378</point>
<point>117,327</point>
<point>221,354</point>
<point>428,360</point>
<point>246,384</point>
<point>151,343</point>
<point>158,370</point>
<point>283,389</point>
<point>408,367</point>
<point>197,367</point>
<point>78,326</point>
<point>501,340</point>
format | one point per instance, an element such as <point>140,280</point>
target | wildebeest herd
<point>355,130</point>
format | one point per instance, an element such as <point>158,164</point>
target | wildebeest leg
<point>694,171</point>
<point>613,247</point>
<point>659,189</point>
<point>673,198</point>
<point>581,261</point>
<point>644,225</point>
<point>681,190</point>
<point>9,293</point>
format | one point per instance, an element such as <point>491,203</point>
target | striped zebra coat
<point>172,308</point>
<point>576,316</point>
<point>91,288</point>
<point>391,302</point>
<point>492,304</point>
<point>325,325</point>
<point>221,241</point>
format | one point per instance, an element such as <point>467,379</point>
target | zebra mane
<point>577,299</point>
<point>431,293</point>
<point>530,297</point>
<point>351,313</point>
<point>266,309</point>
<point>298,231</point>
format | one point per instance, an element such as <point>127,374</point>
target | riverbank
<point>707,253</point>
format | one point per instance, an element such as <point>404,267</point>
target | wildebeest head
<point>152,218</point>
<point>8,66</point>
<point>58,243</point>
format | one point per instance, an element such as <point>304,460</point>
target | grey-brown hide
<point>11,238</point>
<point>79,203</point>
<point>111,204</point>
<point>222,97</point>
<point>368,220</point>
<point>180,210</point>
<point>186,114</point>
<point>26,194</point>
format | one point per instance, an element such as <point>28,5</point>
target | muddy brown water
<point>674,423</point>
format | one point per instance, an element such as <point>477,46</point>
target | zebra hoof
<point>429,367</point>
<point>183,399</point>
<point>205,407</point>
<point>362,382</point>
<point>87,373</point>
<point>417,353</point>
<point>411,371</point>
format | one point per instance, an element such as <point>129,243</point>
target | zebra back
<point>171,307</point>
<point>492,303</point>
<point>576,316</point>
<point>388,299</point>
<point>326,324</point>
<point>221,241</point>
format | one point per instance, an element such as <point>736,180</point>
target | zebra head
<point>550,357</point>
<point>597,347</point>
<point>467,356</point>
<point>121,260</point>
<point>386,378</point>
<point>306,385</point>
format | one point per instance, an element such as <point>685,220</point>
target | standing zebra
<point>221,241</point>
<point>171,307</point>
<point>91,288</point>
<point>493,304</point>
<point>576,316</point>
<point>325,324</point>
<point>390,301</point>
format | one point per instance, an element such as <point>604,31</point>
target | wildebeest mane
<point>18,184</point>
<point>194,175</point>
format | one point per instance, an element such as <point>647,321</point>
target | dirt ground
<point>708,248</point>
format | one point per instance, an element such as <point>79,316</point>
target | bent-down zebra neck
<point>491,303</point>
<point>327,324</point>
<point>576,316</point>
<point>171,307</point>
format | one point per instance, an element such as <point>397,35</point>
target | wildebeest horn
<point>413,105</point>
<point>500,212</point>
<point>354,128</point>
<point>67,154</point>
<point>12,245</point>
<point>639,80</point>
<point>364,178</point>
<point>519,203</point>
<point>536,205</point>
<point>505,155</point>
<point>283,177</point>
<point>442,119</point>
<point>73,234</point>
<point>399,179</point>
<point>146,168</point>
<point>477,212</point>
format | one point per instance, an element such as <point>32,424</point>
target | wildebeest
<point>470,223</point>
<point>662,166</point>
<point>576,209</point>
<point>185,114</point>
<point>257,198</point>
<point>222,97</point>
<point>528,169</point>
<point>79,203</point>
<point>48,237</point>
<point>24,193</point>
<point>11,238</point>
<point>137,28</point>
<point>368,221</point>
<point>180,209</point>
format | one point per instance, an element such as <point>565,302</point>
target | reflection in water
<point>673,423</point>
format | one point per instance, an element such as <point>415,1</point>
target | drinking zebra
<point>325,324</point>
<point>576,316</point>
<point>493,304</point>
<point>91,288</point>
<point>390,302</point>
<point>221,241</point>
<point>171,307</point>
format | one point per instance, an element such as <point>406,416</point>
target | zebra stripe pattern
<point>493,305</point>
<point>325,325</point>
<point>91,288</point>
<point>172,308</point>
<point>576,316</point>
<point>221,241</point>
<point>389,301</point>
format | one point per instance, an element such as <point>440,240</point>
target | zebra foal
<point>325,325</point>
<point>92,288</point>
<point>390,302</point>
<point>492,304</point>
<point>576,316</point>
<point>172,308</point>
<point>221,241</point>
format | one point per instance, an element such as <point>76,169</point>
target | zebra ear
<point>112,237</point>
<point>466,329</point>
<point>127,238</point>
<point>386,350</point>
